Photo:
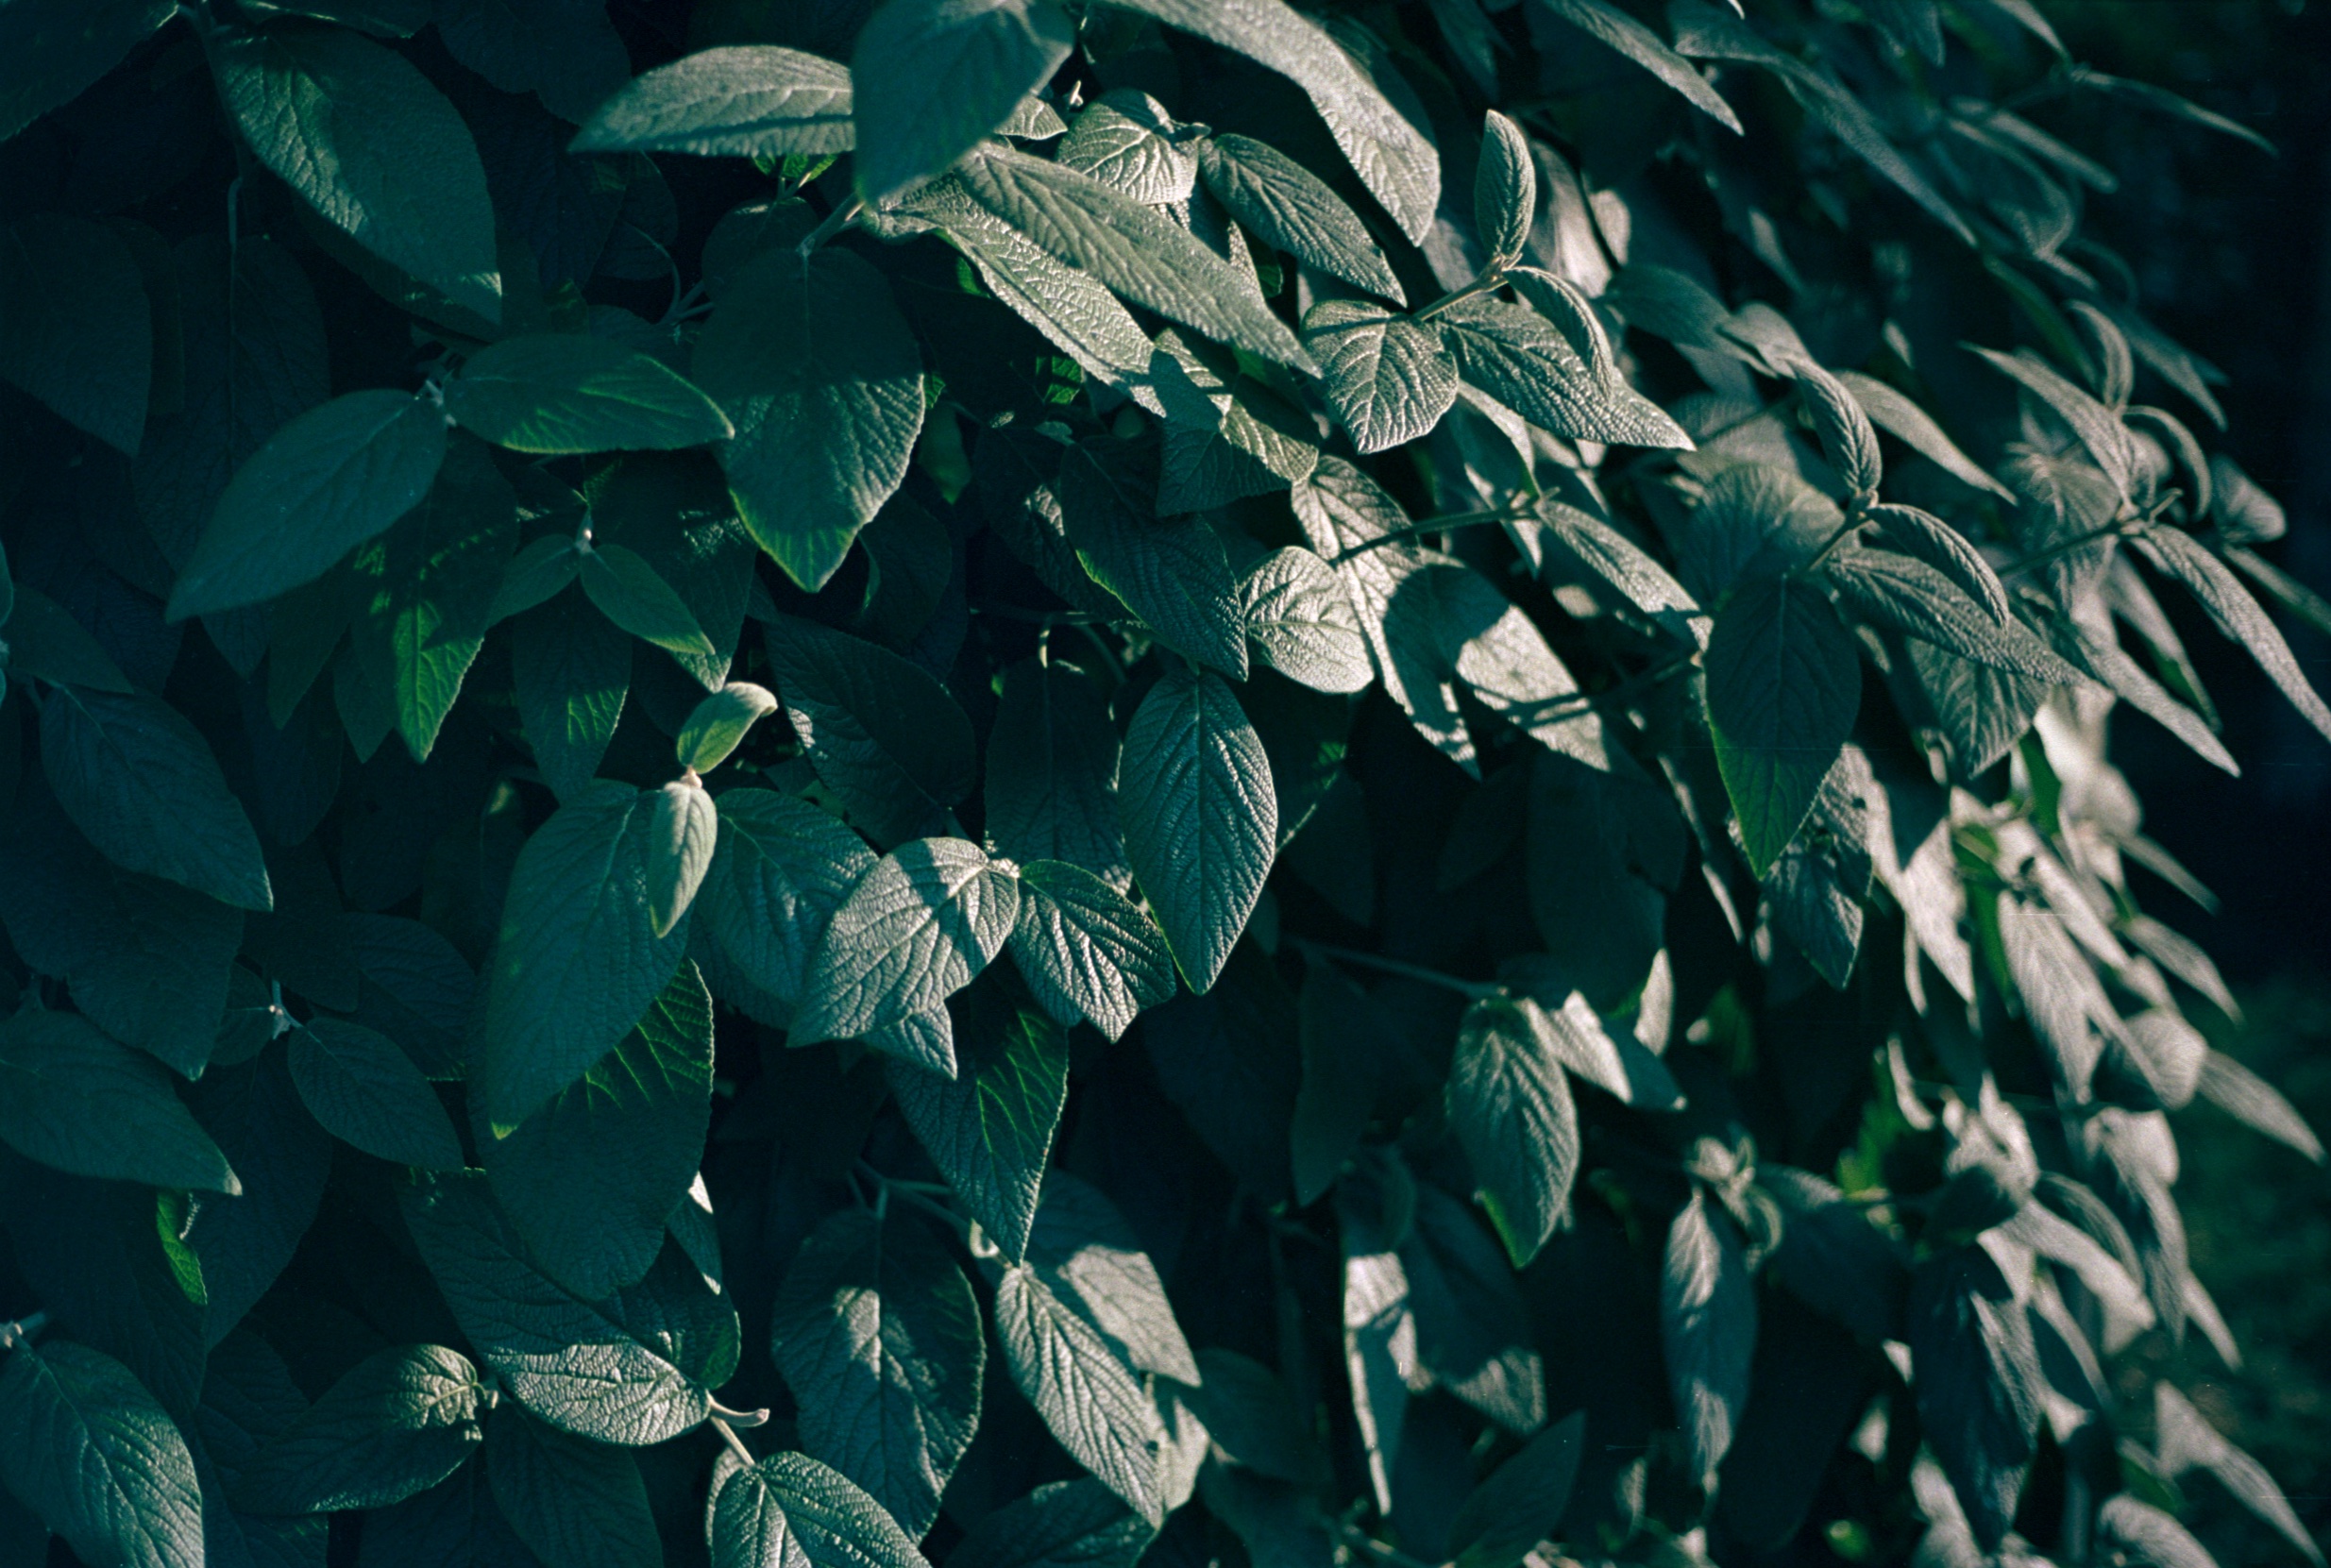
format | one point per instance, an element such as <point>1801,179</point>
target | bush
<point>1570,971</point>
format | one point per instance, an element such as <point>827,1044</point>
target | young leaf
<point>1086,950</point>
<point>1084,1391</point>
<point>366,1092</point>
<point>916,929</point>
<point>680,849</point>
<point>2095,426</point>
<point>89,1451</point>
<point>1200,816</point>
<point>1505,190</point>
<point>570,1500</point>
<point>1172,574</point>
<point>720,723</point>
<point>933,77</point>
<point>372,146</point>
<point>74,1100</point>
<point>753,100</point>
<point>577,961</point>
<point>1291,209</point>
<point>397,1422</point>
<point>326,482</point>
<point>1302,621</point>
<point>888,741</point>
<point>1388,379</point>
<point>1785,681</point>
<point>1126,139</point>
<point>558,393</point>
<point>1522,1501</point>
<point>809,357</point>
<point>1708,1325</point>
<point>1514,1116</point>
<point>1847,439</point>
<point>879,1338</point>
<point>789,1508</point>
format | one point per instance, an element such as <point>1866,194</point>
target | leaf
<point>282,1159</point>
<point>1947,550</point>
<point>933,77</point>
<point>557,392</point>
<point>1086,950</point>
<point>1847,439</point>
<point>1077,1523</point>
<point>90,1452</point>
<point>1092,1261</point>
<point>1172,574</point>
<point>2141,1535</point>
<point>1251,1418</point>
<point>2185,1439</point>
<point>1126,140</point>
<point>1585,1043</point>
<point>1388,379</point>
<point>1523,360</point>
<point>742,101</point>
<point>372,146</point>
<point>1473,1332</point>
<point>779,870</point>
<point>591,1178</point>
<point>1522,1501</point>
<point>54,53</point>
<point>1785,681</point>
<point>989,1129</point>
<point>395,1423</point>
<point>78,333</point>
<point>879,1339</point>
<point>917,928</point>
<point>1897,415</point>
<point>1052,772</point>
<point>1607,24</point>
<point>577,961</point>
<point>367,1092</point>
<point>1084,1392</point>
<point>1071,308</point>
<point>1505,190</point>
<point>629,592</point>
<point>2251,1100</point>
<point>1392,158</point>
<point>884,736</point>
<point>2096,427</point>
<point>635,1369</point>
<point>1976,1372</point>
<point>1514,1116</point>
<point>431,584</point>
<point>679,848</point>
<point>570,1500</point>
<point>573,671</point>
<point>1380,1330</point>
<point>810,360</point>
<point>1293,209</point>
<point>1227,433</point>
<point>1302,621</point>
<point>789,1508</point>
<point>1134,249</point>
<point>2237,615</point>
<point>1200,817</point>
<point>719,724</point>
<point>568,55</point>
<point>74,1100</point>
<point>1707,1325</point>
<point>332,478</point>
<point>1914,599</point>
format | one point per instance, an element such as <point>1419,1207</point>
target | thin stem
<point>736,1444</point>
<point>1853,524</point>
<point>23,1328</point>
<point>1430,525</point>
<point>1473,988</point>
<point>915,1193</point>
<point>1092,636</point>
<point>1047,619</point>
<point>737,1418</point>
<point>1492,279</point>
<point>2057,551</point>
<point>834,221</point>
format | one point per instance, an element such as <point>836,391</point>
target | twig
<point>736,1444</point>
<point>833,223</point>
<point>1474,988</point>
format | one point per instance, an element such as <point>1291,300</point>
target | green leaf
<point>790,1510</point>
<point>1523,360</point>
<point>1514,1117</point>
<point>720,723</point>
<point>55,52</point>
<point>811,360</point>
<point>573,671</point>
<point>397,1422</point>
<point>1174,574</point>
<point>629,592</point>
<point>679,849</point>
<point>1393,158</point>
<point>1084,1391</point>
<point>1785,681</point>
<point>430,586</point>
<point>536,575</point>
<point>933,77</point>
<point>1473,1330</point>
<point>141,784</point>
<point>326,482</point>
<point>1201,821</point>
<point>78,332</point>
<point>1708,1325</point>
<point>1079,1523</point>
<point>1890,411</point>
<point>917,928</point>
<point>889,741</point>
<point>742,101</point>
<point>83,1104</point>
<point>1092,1261</point>
<point>1291,209</point>
<point>372,146</point>
<point>1618,560</point>
<point>1504,1517</point>
<point>46,643</point>
<point>1348,1047</point>
<point>1607,24</point>
<point>989,1130</point>
<point>1251,1417</point>
<point>367,1092</point>
<point>568,55</point>
<point>590,1179</point>
<point>1978,1379</point>
<point>89,1451</point>
<point>1847,439</point>
<point>1388,379</point>
<point>2095,426</point>
<point>1302,621</point>
<point>2251,1100</point>
<point>635,1369</point>
<point>1505,190</point>
<point>1227,433</point>
<point>1126,139</point>
<point>1584,1042</point>
<point>1914,599</point>
<point>570,1500</point>
<point>1069,306</point>
<point>879,1338</point>
<point>1086,950</point>
<point>779,870</point>
<point>1379,1327</point>
<point>578,961</point>
<point>560,393</point>
<point>1945,548</point>
<point>2235,613</point>
<point>1134,249</point>
<point>1052,772</point>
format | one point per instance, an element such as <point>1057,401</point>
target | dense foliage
<point>1034,784</point>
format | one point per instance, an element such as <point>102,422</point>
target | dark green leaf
<point>1512,1112</point>
<point>367,1092</point>
<point>680,836</point>
<point>1508,1515</point>
<point>565,52</point>
<point>54,52</point>
<point>397,1423</point>
<point>1785,681</point>
<point>1606,22</point>
<point>1092,1261</point>
<point>1505,190</point>
<point>1086,950</point>
<point>1173,573</point>
<point>74,1100</point>
<point>720,723</point>
<point>560,393</point>
<point>790,1510</point>
<point>1520,359</point>
<point>1052,772</point>
<point>1291,209</point>
<point>574,670</point>
<point>1302,621</point>
<point>628,592</point>
<point>1707,1311</point>
<point>1083,1388</point>
<point>570,1500</point>
<point>1126,139</point>
<point>744,101</point>
<point>780,870</point>
<point>78,334</point>
<point>889,741</point>
<point>933,78</point>
<point>1977,1375</point>
<point>88,1450</point>
<point>1079,1523</point>
<point>2237,614</point>
<point>1388,379</point>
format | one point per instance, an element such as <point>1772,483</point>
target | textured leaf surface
<point>743,100</point>
<point>1784,680</point>
<point>90,1452</point>
<point>82,1103</point>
